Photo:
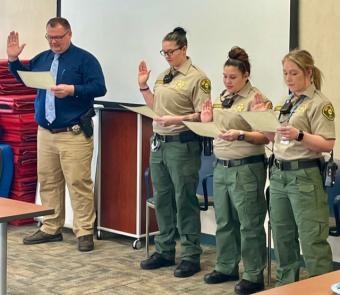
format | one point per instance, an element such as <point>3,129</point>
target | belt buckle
<point>226,163</point>
<point>75,129</point>
<point>162,138</point>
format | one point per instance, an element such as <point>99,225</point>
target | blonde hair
<point>304,60</point>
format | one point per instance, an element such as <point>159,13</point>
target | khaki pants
<point>66,157</point>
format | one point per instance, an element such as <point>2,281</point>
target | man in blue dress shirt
<point>65,143</point>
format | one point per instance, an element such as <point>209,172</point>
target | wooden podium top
<point>13,209</point>
<point>320,285</point>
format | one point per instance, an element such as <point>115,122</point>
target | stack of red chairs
<point>20,132</point>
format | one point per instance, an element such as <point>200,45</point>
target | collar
<point>184,68</point>
<point>51,53</point>
<point>309,92</point>
<point>244,92</point>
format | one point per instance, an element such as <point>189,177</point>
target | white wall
<point>123,32</point>
<point>319,34</point>
<point>28,17</point>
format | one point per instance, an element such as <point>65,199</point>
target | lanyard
<point>295,106</point>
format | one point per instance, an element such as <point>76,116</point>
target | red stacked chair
<point>20,132</point>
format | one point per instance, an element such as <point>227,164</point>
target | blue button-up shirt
<point>76,67</point>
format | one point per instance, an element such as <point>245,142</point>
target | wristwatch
<point>300,136</point>
<point>241,135</point>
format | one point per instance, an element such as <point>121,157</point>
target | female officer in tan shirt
<point>298,201</point>
<point>239,179</point>
<point>175,154</point>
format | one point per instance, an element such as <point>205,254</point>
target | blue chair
<point>334,205</point>
<point>150,203</point>
<point>6,170</point>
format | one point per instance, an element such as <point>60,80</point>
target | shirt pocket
<point>71,76</point>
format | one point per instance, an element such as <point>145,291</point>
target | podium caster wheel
<point>137,244</point>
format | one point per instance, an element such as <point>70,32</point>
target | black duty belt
<point>243,161</point>
<point>76,129</point>
<point>296,164</point>
<point>185,136</point>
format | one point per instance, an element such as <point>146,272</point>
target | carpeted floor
<point>112,268</point>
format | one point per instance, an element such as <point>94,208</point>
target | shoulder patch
<point>205,85</point>
<point>328,112</point>
<point>277,108</point>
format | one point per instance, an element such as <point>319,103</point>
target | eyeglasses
<point>56,38</point>
<point>169,52</point>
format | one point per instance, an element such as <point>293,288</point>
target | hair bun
<point>238,53</point>
<point>180,30</point>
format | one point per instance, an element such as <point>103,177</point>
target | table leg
<point>3,258</point>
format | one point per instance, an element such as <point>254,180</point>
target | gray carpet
<point>112,268</point>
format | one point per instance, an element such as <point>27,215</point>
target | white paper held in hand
<point>39,80</point>
<point>265,121</point>
<point>143,110</point>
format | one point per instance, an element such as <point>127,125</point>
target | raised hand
<point>143,74</point>
<point>207,111</point>
<point>13,46</point>
<point>259,104</point>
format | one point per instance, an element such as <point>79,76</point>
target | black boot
<point>216,277</point>
<point>245,287</point>
<point>155,261</point>
<point>187,269</point>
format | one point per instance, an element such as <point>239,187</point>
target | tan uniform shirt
<point>184,95</point>
<point>314,115</point>
<point>228,150</point>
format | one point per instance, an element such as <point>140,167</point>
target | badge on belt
<point>75,129</point>
<point>155,143</point>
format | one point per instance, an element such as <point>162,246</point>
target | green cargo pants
<point>174,172</point>
<point>299,210</point>
<point>240,210</point>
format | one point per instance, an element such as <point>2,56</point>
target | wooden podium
<point>122,159</point>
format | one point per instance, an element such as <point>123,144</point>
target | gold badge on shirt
<point>179,84</point>
<point>301,108</point>
<point>238,108</point>
<point>205,85</point>
<point>217,105</point>
<point>328,112</point>
<point>277,108</point>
